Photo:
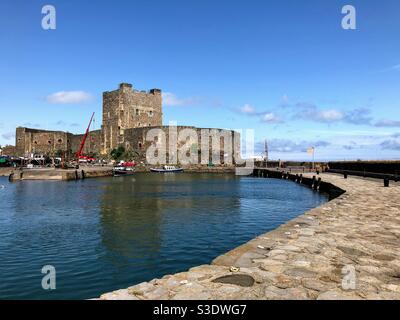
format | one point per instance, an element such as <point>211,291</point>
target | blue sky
<point>284,68</point>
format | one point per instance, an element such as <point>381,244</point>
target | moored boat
<point>166,169</point>
<point>120,170</point>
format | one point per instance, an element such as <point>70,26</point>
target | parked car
<point>5,161</point>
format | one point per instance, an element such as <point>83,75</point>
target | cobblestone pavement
<point>348,248</point>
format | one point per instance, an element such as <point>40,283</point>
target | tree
<point>128,155</point>
<point>59,153</point>
<point>117,153</point>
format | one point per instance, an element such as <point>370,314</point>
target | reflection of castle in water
<point>142,214</point>
<point>128,222</point>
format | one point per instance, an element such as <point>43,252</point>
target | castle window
<point>149,124</point>
<point>140,145</point>
<point>139,124</point>
<point>49,141</point>
<point>59,141</point>
<point>150,113</point>
<point>35,142</point>
<point>137,112</point>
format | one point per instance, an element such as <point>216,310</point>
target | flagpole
<point>313,160</point>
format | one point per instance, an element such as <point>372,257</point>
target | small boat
<point>166,169</point>
<point>122,171</point>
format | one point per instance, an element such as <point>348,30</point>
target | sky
<point>284,68</point>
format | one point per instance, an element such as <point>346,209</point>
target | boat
<point>166,169</point>
<point>120,170</point>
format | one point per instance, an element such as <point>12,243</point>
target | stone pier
<point>349,248</point>
<point>59,174</point>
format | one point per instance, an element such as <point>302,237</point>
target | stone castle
<point>128,115</point>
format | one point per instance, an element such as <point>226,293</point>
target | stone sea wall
<point>54,174</point>
<point>384,167</point>
<point>5,172</point>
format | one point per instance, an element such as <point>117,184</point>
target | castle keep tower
<point>127,108</point>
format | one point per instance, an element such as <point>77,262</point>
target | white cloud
<point>388,123</point>
<point>247,109</point>
<point>60,123</point>
<point>358,116</point>
<point>311,112</point>
<point>31,125</point>
<point>8,135</point>
<point>170,99</point>
<point>392,144</point>
<point>329,115</point>
<point>270,117</point>
<point>286,145</point>
<point>69,97</point>
<point>266,116</point>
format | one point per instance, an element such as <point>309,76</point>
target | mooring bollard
<point>386,182</point>
<point>318,184</point>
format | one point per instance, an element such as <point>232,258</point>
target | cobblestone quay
<point>345,249</point>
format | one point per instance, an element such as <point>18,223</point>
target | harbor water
<point>109,233</point>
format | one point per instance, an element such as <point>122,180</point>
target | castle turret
<point>128,108</point>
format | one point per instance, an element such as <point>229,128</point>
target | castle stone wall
<point>93,145</point>
<point>36,141</point>
<point>40,141</point>
<point>139,140</point>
